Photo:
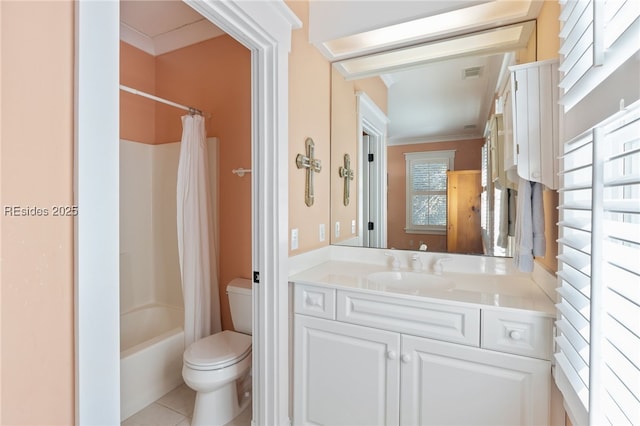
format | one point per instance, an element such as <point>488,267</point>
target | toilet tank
<point>240,302</point>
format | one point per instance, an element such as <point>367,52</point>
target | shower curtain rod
<point>164,101</point>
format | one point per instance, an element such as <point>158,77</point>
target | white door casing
<point>373,122</point>
<point>265,28</point>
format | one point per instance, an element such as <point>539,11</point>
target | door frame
<point>372,121</point>
<point>264,27</point>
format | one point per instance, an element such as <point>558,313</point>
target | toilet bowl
<point>218,367</point>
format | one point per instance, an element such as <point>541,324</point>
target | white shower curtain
<point>195,234</point>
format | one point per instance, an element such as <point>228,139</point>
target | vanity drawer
<point>517,333</point>
<point>315,301</point>
<point>433,320</point>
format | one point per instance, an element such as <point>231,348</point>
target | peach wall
<point>468,157</point>
<point>344,140</point>
<point>309,108</point>
<point>137,114</point>
<point>344,137</point>
<point>548,46</point>
<point>214,76</point>
<point>37,343</point>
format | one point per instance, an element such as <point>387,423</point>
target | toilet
<point>218,367</point>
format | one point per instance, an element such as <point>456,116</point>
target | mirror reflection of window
<point>426,184</point>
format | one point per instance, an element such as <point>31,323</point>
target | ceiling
<point>428,103</point>
<point>436,102</point>
<point>158,27</point>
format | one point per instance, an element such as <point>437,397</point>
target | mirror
<point>409,115</point>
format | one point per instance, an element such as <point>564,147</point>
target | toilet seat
<point>217,351</point>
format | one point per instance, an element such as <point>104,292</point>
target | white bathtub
<point>151,348</point>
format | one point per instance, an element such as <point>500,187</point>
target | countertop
<point>484,290</point>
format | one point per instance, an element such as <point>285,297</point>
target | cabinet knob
<point>313,302</point>
<point>515,335</point>
<point>405,358</point>
<point>391,355</point>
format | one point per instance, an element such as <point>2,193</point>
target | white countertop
<point>485,290</point>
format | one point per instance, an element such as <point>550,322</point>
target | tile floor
<point>176,409</point>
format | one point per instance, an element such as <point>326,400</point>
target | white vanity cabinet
<point>448,384</point>
<point>345,374</point>
<point>359,359</point>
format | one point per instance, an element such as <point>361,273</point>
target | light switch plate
<point>294,239</point>
<point>337,229</point>
<point>322,232</point>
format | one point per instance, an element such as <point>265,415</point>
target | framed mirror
<point>416,122</point>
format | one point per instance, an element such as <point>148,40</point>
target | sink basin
<point>408,282</point>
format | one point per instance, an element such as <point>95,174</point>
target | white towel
<point>530,239</point>
<point>503,219</point>
<point>506,217</point>
<point>537,214</point>
<point>513,195</point>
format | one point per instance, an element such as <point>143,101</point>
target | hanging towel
<point>530,239</point>
<point>503,219</point>
<point>507,217</point>
<point>513,201</point>
<point>537,215</point>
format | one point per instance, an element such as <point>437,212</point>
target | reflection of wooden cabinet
<point>463,212</point>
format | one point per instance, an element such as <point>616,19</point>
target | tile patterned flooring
<point>176,409</point>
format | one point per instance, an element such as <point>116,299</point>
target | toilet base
<point>221,395</point>
<point>220,406</point>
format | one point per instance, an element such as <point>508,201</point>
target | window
<point>598,339</point>
<point>598,36</point>
<point>426,182</point>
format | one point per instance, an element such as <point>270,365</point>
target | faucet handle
<point>437,265</point>
<point>416,263</point>
<point>395,263</point>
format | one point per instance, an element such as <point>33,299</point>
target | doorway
<point>265,29</point>
<point>372,175</point>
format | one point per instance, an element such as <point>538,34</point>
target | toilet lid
<point>218,350</point>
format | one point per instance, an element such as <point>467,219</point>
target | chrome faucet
<point>416,263</point>
<point>395,263</point>
<point>437,266</point>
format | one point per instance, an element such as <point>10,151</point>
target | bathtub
<point>151,347</point>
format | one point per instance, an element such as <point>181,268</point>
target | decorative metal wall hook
<point>311,165</point>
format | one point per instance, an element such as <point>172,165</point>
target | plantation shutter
<point>599,272</point>
<point>597,37</point>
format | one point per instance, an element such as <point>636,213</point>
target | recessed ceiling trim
<point>473,18</point>
<point>416,140</point>
<point>499,40</point>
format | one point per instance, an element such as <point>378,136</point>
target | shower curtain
<point>195,234</point>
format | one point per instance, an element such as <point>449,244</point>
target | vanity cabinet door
<point>447,384</point>
<point>345,374</point>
